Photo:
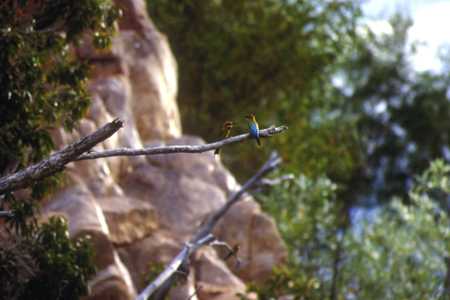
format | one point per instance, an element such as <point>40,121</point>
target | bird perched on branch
<point>226,128</point>
<point>253,128</point>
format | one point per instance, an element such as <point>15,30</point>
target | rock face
<point>140,210</point>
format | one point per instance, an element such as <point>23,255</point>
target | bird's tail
<point>258,142</point>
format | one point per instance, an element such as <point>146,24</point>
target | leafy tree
<point>307,215</point>
<point>400,253</point>
<point>402,115</point>
<point>279,59</point>
<point>43,86</point>
<point>273,58</point>
<point>369,134</point>
<point>358,115</point>
<point>46,265</point>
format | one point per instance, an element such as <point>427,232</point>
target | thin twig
<point>225,245</point>
<point>57,160</point>
<point>232,251</point>
<point>277,181</point>
<point>178,148</point>
<point>194,293</point>
<point>204,236</point>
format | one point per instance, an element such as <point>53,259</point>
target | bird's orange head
<point>228,125</point>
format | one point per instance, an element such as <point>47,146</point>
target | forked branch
<point>204,236</point>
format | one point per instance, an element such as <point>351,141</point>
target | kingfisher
<point>253,128</point>
<point>226,128</point>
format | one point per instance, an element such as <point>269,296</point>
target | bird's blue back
<point>254,129</point>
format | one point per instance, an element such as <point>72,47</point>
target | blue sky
<point>431,25</point>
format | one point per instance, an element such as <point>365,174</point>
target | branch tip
<point>117,122</point>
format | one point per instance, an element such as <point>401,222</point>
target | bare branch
<point>57,160</point>
<point>6,213</point>
<point>174,265</point>
<point>179,148</point>
<point>277,181</point>
<point>204,236</point>
<point>273,162</point>
<point>76,151</point>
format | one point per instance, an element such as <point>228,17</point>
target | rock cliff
<point>140,210</point>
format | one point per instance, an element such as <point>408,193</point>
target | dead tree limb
<point>57,160</point>
<point>6,214</point>
<point>273,162</point>
<point>204,236</point>
<point>77,151</point>
<point>277,181</point>
<point>172,268</point>
<point>178,148</point>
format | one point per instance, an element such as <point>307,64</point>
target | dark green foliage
<point>16,267</point>
<point>279,59</point>
<point>154,270</point>
<point>40,261</point>
<point>23,221</point>
<point>42,87</point>
<point>63,266</point>
<point>42,83</point>
<point>400,251</point>
<point>284,280</point>
<point>45,264</point>
<point>307,215</point>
